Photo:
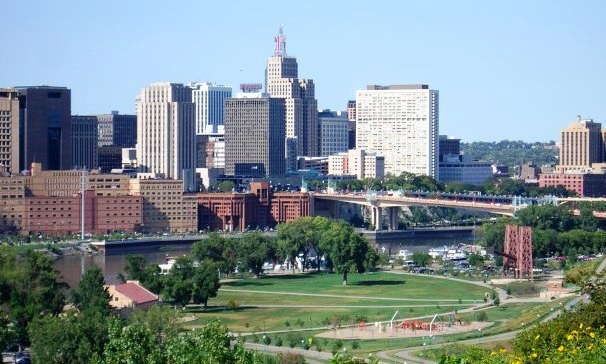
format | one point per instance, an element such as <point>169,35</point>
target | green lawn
<point>294,302</point>
<point>369,284</point>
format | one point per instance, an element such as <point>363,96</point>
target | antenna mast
<point>280,43</point>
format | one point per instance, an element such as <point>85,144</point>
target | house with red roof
<point>131,295</point>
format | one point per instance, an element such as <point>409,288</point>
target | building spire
<point>280,43</point>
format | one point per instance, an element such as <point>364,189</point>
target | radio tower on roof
<point>280,43</point>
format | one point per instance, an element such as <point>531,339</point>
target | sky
<point>509,69</point>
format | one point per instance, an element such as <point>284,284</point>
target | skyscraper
<point>581,145</point>
<point>44,127</point>
<point>281,80</point>
<point>117,130</point>
<point>9,127</point>
<point>166,138</point>
<point>254,136</point>
<point>400,122</point>
<point>334,136</point>
<point>209,100</point>
<point>84,142</point>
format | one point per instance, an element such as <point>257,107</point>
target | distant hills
<point>511,153</point>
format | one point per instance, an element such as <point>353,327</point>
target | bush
<point>291,358</point>
<point>355,344</point>
<point>266,340</point>
<point>481,316</point>
<point>278,341</point>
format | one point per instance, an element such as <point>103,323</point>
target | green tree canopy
<point>91,294</point>
<point>346,248</point>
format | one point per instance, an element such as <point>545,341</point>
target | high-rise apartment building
<point>209,100</point>
<point>84,142</point>
<point>9,135</point>
<point>400,122</point>
<point>334,137</point>
<point>254,136</point>
<point>281,81</point>
<point>117,130</point>
<point>44,127</point>
<point>166,138</point>
<point>582,145</point>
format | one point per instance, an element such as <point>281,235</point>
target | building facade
<point>259,208</point>
<point>254,136</point>
<point>44,127</point>
<point>400,122</point>
<point>117,130</point>
<point>165,208</point>
<point>581,145</point>
<point>281,81</point>
<point>209,100</point>
<point>584,184</point>
<point>357,163</point>
<point>460,169</point>
<point>9,135</point>
<point>334,132</point>
<point>84,142</point>
<point>166,138</point>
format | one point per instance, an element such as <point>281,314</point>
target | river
<point>71,267</point>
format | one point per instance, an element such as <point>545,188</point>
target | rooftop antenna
<point>280,43</point>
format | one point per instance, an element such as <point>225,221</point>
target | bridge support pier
<point>376,213</point>
<point>392,215</point>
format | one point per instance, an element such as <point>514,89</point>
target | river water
<point>71,267</point>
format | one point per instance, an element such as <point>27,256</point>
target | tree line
<point>195,279</point>
<point>556,231</point>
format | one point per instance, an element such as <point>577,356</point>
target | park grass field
<point>303,301</point>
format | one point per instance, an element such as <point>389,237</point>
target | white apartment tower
<point>166,138</point>
<point>281,81</point>
<point>400,122</point>
<point>209,100</point>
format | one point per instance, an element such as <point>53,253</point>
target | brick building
<point>584,184</point>
<point>259,208</point>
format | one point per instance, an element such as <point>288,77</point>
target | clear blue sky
<point>519,70</point>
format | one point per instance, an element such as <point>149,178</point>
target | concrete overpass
<point>393,201</point>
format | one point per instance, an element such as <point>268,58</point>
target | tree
<point>226,186</point>
<point>178,285</point>
<point>218,249</point>
<point>421,259</point>
<point>91,294</point>
<point>205,283</point>
<point>255,249</point>
<point>74,338</point>
<point>135,266</point>
<point>346,248</point>
<point>29,288</point>
<point>475,260</point>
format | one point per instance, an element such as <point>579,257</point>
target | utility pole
<point>82,190</point>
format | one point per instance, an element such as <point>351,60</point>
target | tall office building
<point>44,127</point>
<point>84,142</point>
<point>334,136</point>
<point>117,130</point>
<point>351,116</point>
<point>581,146</point>
<point>281,81</point>
<point>400,122</point>
<point>166,138</point>
<point>209,100</point>
<point>254,136</point>
<point>9,137</point>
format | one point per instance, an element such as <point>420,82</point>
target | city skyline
<point>525,70</point>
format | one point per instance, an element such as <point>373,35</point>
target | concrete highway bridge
<point>377,202</point>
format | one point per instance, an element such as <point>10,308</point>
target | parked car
<point>13,348</point>
<point>22,358</point>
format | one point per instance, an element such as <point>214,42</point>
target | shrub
<point>278,341</point>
